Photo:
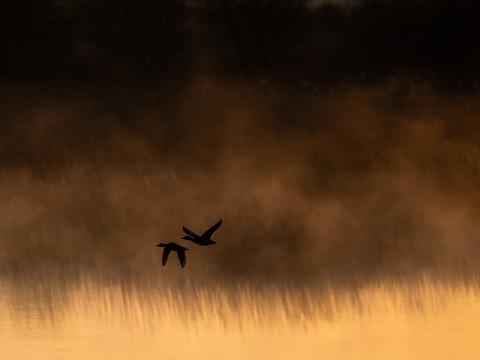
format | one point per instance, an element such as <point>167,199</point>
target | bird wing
<point>189,232</point>
<point>182,257</point>
<point>166,254</point>
<point>209,233</point>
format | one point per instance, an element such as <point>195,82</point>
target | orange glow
<point>380,321</point>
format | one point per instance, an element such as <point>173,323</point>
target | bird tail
<point>162,245</point>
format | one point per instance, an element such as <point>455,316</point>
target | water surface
<point>97,319</point>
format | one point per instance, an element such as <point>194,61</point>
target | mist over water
<point>339,141</point>
<point>349,217</point>
<point>352,183</point>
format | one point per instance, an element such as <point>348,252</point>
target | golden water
<point>89,319</point>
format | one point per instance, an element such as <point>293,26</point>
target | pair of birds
<point>205,239</point>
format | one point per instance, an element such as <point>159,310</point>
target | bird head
<point>161,245</point>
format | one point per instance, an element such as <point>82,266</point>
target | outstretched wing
<point>209,233</point>
<point>166,254</point>
<point>182,257</point>
<point>189,232</point>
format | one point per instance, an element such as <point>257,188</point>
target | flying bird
<point>205,239</point>
<point>168,248</point>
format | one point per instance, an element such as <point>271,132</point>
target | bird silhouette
<point>168,248</point>
<point>205,239</point>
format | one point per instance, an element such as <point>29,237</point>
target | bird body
<point>205,239</point>
<point>168,248</point>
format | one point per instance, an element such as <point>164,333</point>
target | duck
<point>205,239</point>
<point>168,248</point>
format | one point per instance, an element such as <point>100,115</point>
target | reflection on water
<point>92,319</point>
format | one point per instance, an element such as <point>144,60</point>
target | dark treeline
<point>76,41</point>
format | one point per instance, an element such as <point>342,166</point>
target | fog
<point>349,183</point>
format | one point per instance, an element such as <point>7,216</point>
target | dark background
<point>287,41</point>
